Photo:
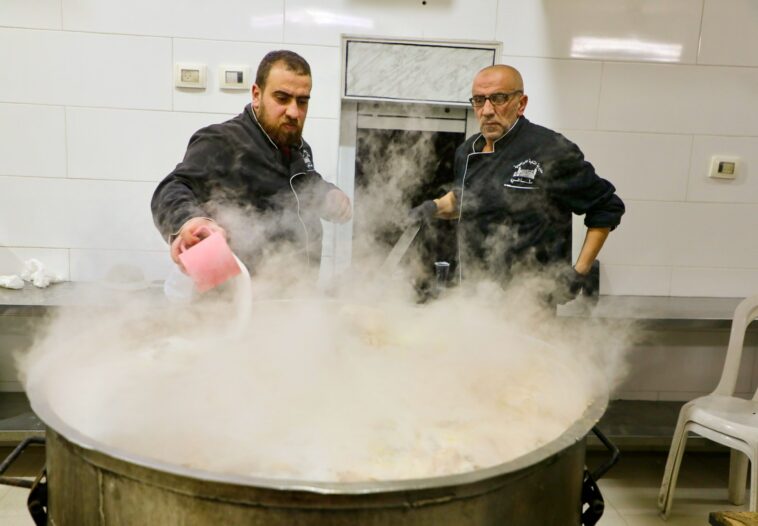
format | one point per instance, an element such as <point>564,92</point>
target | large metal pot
<point>93,484</point>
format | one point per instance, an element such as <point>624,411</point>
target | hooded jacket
<point>235,165</point>
<point>516,201</point>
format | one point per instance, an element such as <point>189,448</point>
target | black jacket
<point>234,165</point>
<point>516,202</point>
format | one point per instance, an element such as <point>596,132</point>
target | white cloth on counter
<point>36,273</point>
<point>11,282</point>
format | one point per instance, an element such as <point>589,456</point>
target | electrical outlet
<point>189,75</point>
<point>723,167</point>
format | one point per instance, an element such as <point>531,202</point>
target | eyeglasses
<point>497,99</point>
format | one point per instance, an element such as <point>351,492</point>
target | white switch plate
<point>189,75</point>
<point>723,167</point>
<point>234,77</point>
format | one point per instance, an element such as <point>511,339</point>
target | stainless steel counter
<point>664,313</point>
<point>657,311</point>
<point>652,311</point>
<point>31,301</point>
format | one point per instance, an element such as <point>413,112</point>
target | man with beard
<point>516,186</point>
<point>253,175</point>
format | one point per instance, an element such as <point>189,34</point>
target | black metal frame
<point>17,481</point>
<point>593,504</point>
<point>37,500</point>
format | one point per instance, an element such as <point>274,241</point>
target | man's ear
<point>256,93</point>
<point>522,105</point>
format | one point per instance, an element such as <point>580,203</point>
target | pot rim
<point>577,431</point>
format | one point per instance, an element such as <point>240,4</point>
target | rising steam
<point>360,384</point>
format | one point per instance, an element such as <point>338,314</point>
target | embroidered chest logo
<point>525,174</point>
<point>307,159</point>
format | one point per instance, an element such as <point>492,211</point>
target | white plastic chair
<point>723,418</point>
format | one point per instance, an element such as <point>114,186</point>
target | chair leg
<point>673,462</point>
<point>738,477</point>
<point>753,485</point>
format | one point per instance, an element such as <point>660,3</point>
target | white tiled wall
<point>321,22</point>
<point>325,68</point>
<point>88,265</point>
<point>32,140</point>
<point>562,93</point>
<point>129,145</point>
<point>653,154</point>
<point>728,33</point>
<point>233,20</point>
<point>90,120</point>
<point>634,30</point>
<point>77,213</point>
<point>40,14</point>
<point>684,364</point>
<point>744,189</point>
<point>666,98</point>
<point>85,69</point>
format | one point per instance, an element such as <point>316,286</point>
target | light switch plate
<point>723,167</point>
<point>234,77</point>
<point>189,75</point>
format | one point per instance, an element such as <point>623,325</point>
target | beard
<point>492,131</point>
<point>287,132</point>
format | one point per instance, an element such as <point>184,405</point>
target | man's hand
<point>422,213</point>
<point>337,207</point>
<point>191,233</point>
<point>568,285</point>
<point>447,205</point>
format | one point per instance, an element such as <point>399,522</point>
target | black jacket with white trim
<point>516,202</point>
<point>236,165</point>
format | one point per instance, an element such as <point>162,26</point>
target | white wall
<point>90,120</point>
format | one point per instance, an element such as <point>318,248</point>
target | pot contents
<point>320,390</point>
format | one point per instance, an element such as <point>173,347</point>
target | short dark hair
<point>291,60</point>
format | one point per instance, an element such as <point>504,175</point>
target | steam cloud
<point>360,384</point>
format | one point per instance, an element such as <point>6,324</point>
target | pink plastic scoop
<point>210,262</point>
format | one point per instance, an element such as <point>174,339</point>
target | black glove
<point>423,213</point>
<point>568,285</point>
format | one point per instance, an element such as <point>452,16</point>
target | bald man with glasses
<point>516,186</point>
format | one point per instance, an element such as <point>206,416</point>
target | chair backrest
<point>745,312</point>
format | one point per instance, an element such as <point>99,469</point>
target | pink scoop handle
<point>210,262</point>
